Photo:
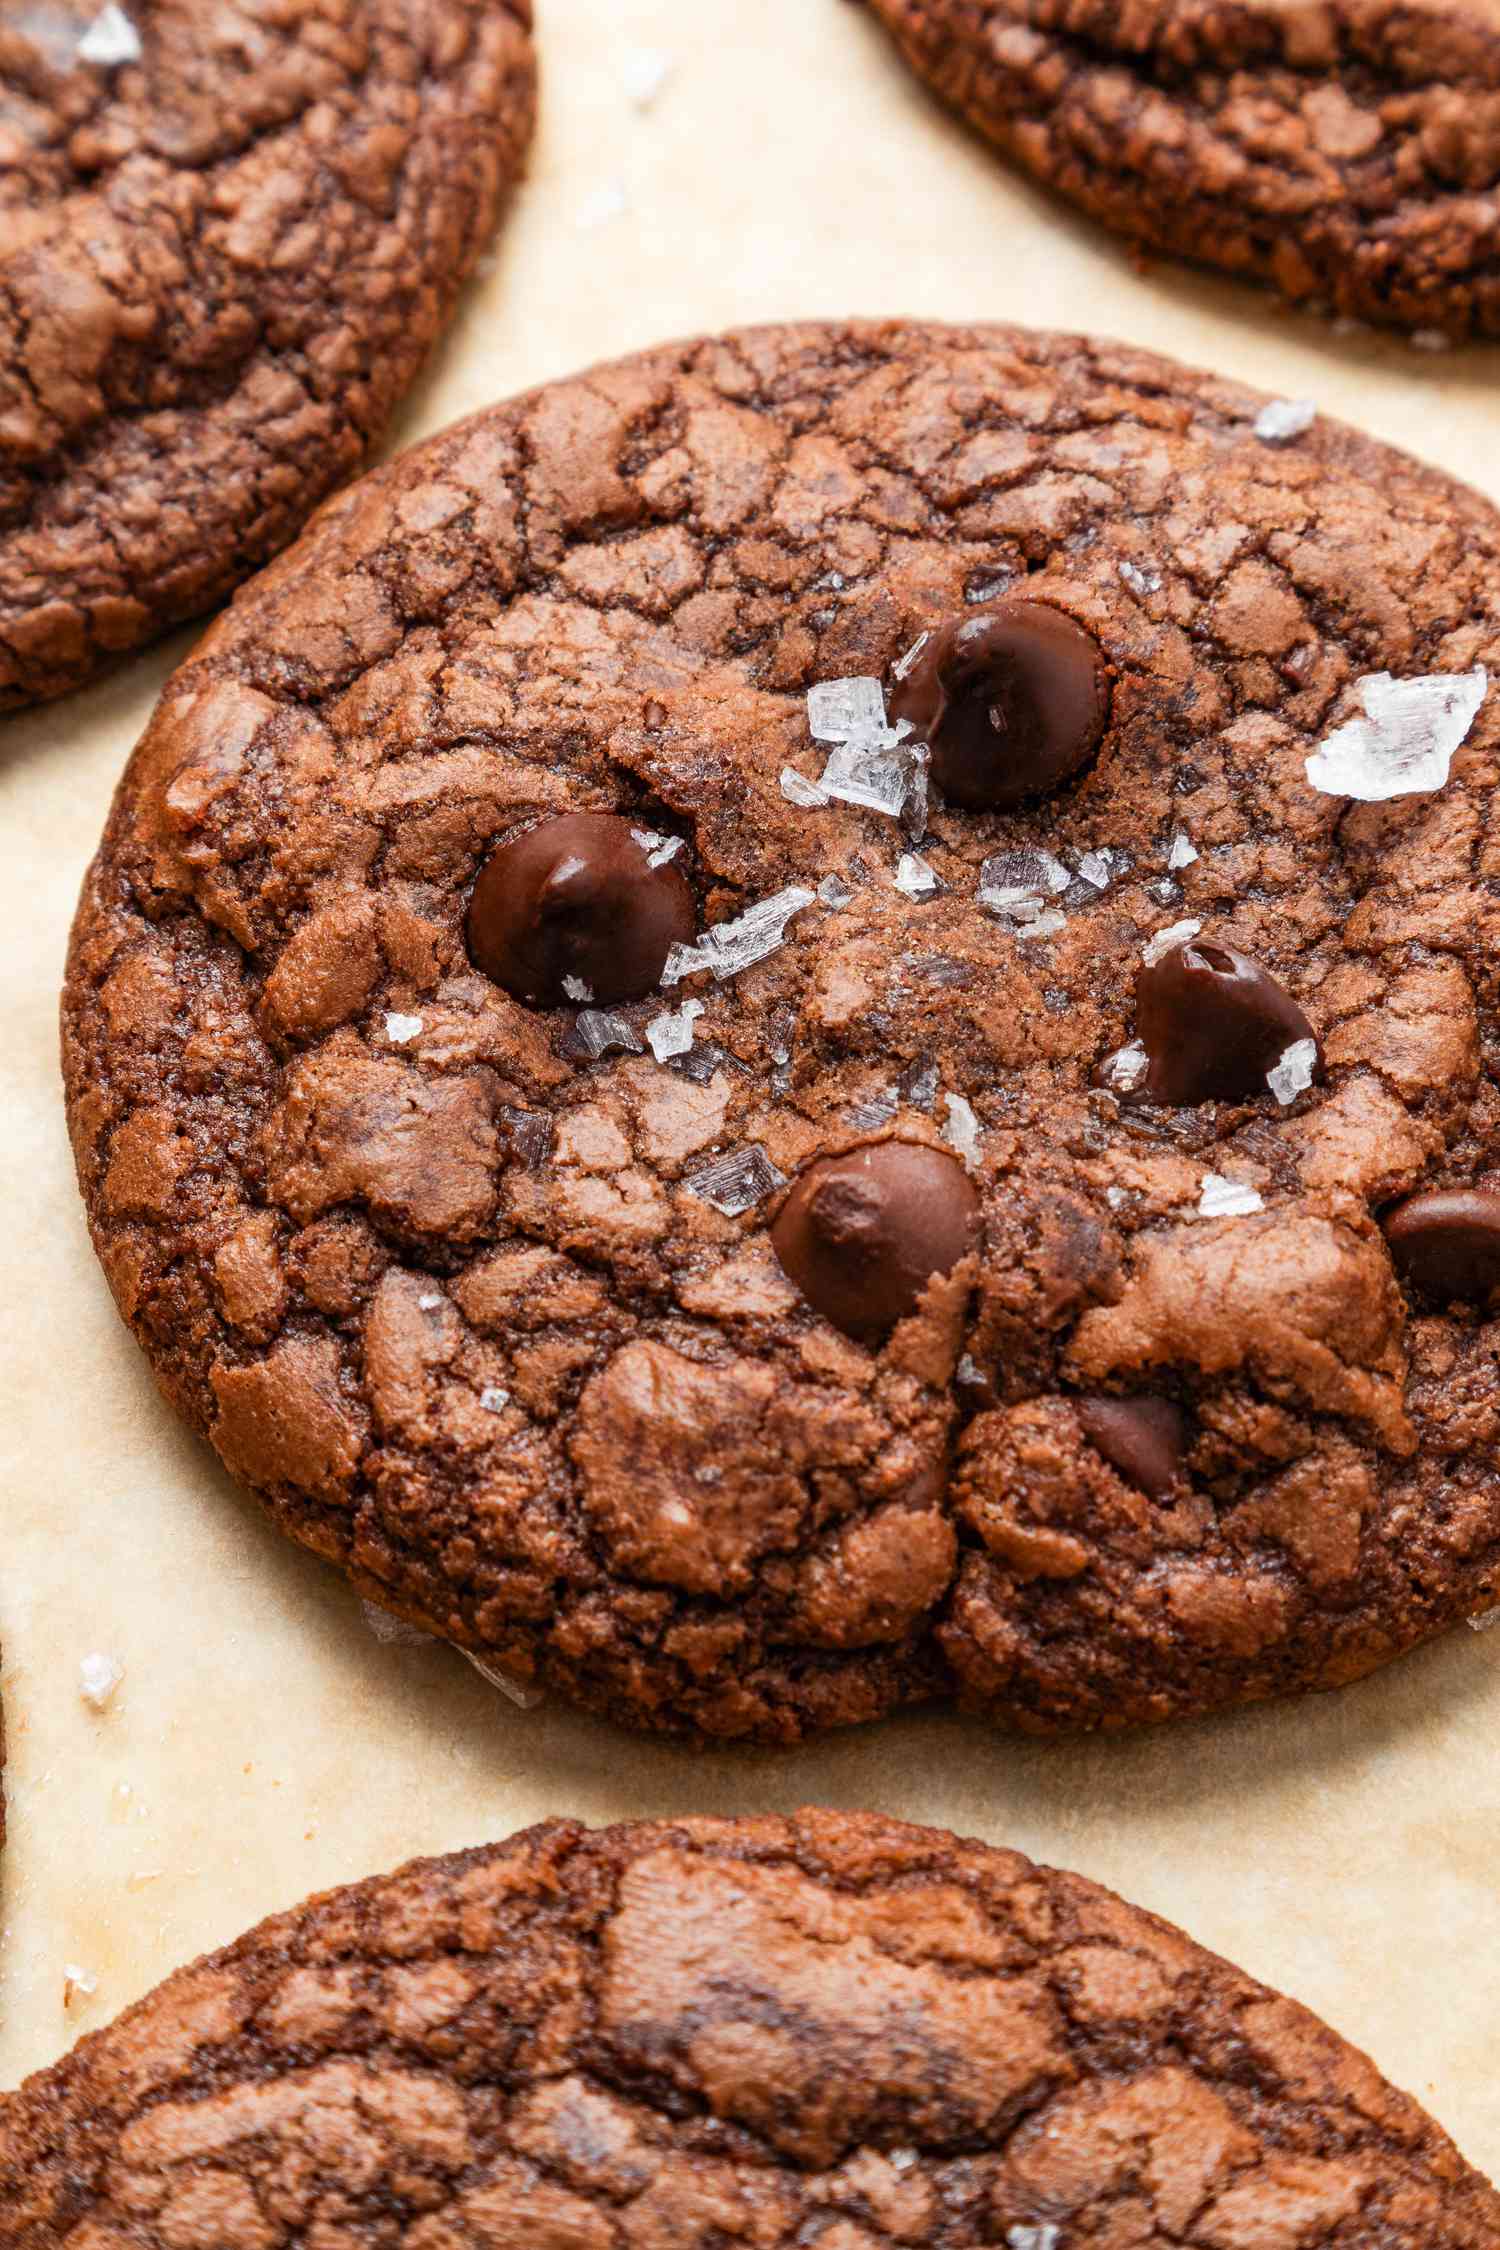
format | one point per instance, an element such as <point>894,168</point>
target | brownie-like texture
<point>1347,153</point>
<point>455,1299</point>
<point>222,260</point>
<point>832,2029</point>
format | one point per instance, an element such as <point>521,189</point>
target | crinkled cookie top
<point>834,2028</point>
<point>986,1264</point>
<point>229,229</point>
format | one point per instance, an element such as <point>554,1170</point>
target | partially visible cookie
<point>1349,154</point>
<point>726,1236</point>
<point>833,2029</point>
<point>228,235</point>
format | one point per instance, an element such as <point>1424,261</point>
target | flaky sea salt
<point>1045,925</point>
<point>523,1697</point>
<point>99,1678</point>
<point>919,1083</point>
<point>1284,419</point>
<point>1116,1198</point>
<point>78,1984</point>
<point>1485,1622</point>
<point>1404,744</point>
<point>658,849</point>
<point>577,988</point>
<point>671,1033</point>
<point>914,878</point>
<point>1183,851</point>
<point>599,1030</point>
<point>798,790</point>
<point>729,947</point>
<point>401,1030</point>
<point>1167,941</point>
<point>902,2159</point>
<point>1042,2237</point>
<point>1138,580</point>
<point>1016,885</point>
<point>1101,868</point>
<point>111,39</point>
<point>1226,1199</point>
<point>644,71</point>
<point>429,1300</point>
<point>494,1399</point>
<point>902,668</point>
<point>737,1181</point>
<point>393,1632</point>
<point>878,778</point>
<point>914,811</point>
<point>969,1370</point>
<point>846,710</point>
<point>1293,1074</point>
<point>868,1117</point>
<point>834,891</point>
<point>961,1128</point>
<point>1124,1070</point>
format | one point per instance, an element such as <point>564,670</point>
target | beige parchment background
<point>263,1743</point>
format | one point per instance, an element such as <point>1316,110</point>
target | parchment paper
<point>263,1743</point>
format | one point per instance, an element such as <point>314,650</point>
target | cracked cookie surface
<point>834,2028</point>
<point>455,1295</point>
<point>1349,154</point>
<point>225,247</point>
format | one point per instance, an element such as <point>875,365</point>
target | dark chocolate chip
<point>863,1234</point>
<point>1446,1244</point>
<point>577,898</point>
<point>1010,699</point>
<point>1144,1438</point>
<point>1213,1024</point>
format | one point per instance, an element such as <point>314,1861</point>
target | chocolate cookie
<point>227,238</point>
<point>834,2028</point>
<point>717,1221</point>
<point>1348,154</point>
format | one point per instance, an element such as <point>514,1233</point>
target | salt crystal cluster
<point>1015,887</point>
<point>401,1030</point>
<point>578,988</point>
<point>1226,1199</point>
<point>658,849</point>
<point>1183,851</point>
<point>99,1677</point>
<point>599,1030</point>
<point>111,39</point>
<point>1123,1071</point>
<point>870,763</point>
<point>1293,1074</point>
<point>671,1033</point>
<point>1167,941</point>
<point>1284,419</point>
<point>729,947</point>
<point>1404,744</point>
<point>1140,581</point>
<point>737,1181</point>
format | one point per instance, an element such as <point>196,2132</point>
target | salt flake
<point>671,1033</point>
<point>868,1117</point>
<point>658,849</point>
<point>99,1677</point>
<point>919,1083</point>
<point>401,1030</point>
<point>523,1697</point>
<point>914,878</point>
<point>644,71</point>
<point>969,1370</point>
<point>1043,2237</point>
<point>393,1632</point>
<point>834,891</point>
<point>494,1399</point>
<point>1404,744</point>
<point>729,947</point>
<point>577,988</point>
<point>1293,1074</point>
<point>1167,941</point>
<point>902,669</point>
<point>737,1181</point>
<point>798,790</point>
<point>599,1030</point>
<point>1226,1199</point>
<point>1123,1071</point>
<point>873,776</point>
<point>1140,581</point>
<point>1014,885</point>
<point>846,710</point>
<point>961,1129</point>
<point>1045,925</point>
<point>1183,851</point>
<point>1485,1622</point>
<point>1100,869</point>
<point>110,39</point>
<point>1284,419</point>
<point>77,1984</point>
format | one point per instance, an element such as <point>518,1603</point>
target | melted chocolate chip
<point>1010,699</point>
<point>1446,1244</point>
<point>862,1235</point>
<point>577,898</point>
<point>1144,1438</point>
<point>1213,1024</point>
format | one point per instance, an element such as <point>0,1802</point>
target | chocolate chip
<point>1010,699</point>
<point>1213,1024</point>
<point>1446,1244</point>
<point>862,1235</point>
<point>578,900</point>
<point>1144,1438</point>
